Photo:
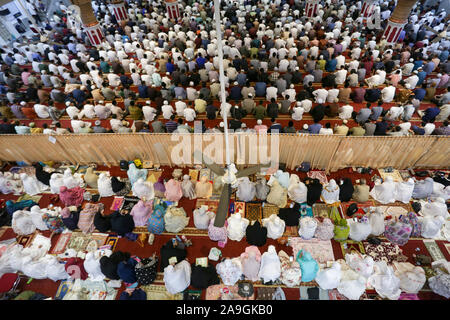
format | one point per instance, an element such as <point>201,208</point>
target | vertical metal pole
<point>221,76</point>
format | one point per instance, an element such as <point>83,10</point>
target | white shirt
<point>149,113</point>
<point>41,110</point>
<point>429,128</point>
<point>387,94</point>
<point>72,111</point>
<point>332,94</point>
<point>297,113</point>
<point>271,92</point>
<point>179,107</point>
<point>113,79</point>
<point>306,105</point>
<point>320,94</point>
<point>345,112</point>
<point>167,111</point>
<point>189,114</point>
<point>340,76</point>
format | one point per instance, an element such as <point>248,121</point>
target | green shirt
<point>260,112</point>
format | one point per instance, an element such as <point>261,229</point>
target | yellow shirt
<point>200,105</point>
<point>341,130</point>
<point>36,130</point>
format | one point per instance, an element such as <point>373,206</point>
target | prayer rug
<point>395,174</point>
<point>2,231</point>
<point>212,204</point>
<point>320,250</point>
<point>268,210</point>
<point>335,295</point>
<point>61,243</point>
<point>117,203</point>
<point>254,212</point>
<point>129,202</point>
<point>100,238</point>
<point>64,287</point>
<point>321,175</point>
<point>78,241</point>
<point>291,231</point>
<point>350,246</point>
<point>206,172</point>
<point>239,206</point>
<point>194,175</point>
<point>322,210</point>
<point>384,251</point>
<point>26,196</point>
<point>394,209</point>
<point>159,292</point>
<point>153,175</point>
<point>188,231</point>
<point>408,296</point>
<point>112,241</point>
<point>359,214</point>
<point>214,292</point>
<point>434,250</point>
<point>446,245</point>
<point>26,240</point>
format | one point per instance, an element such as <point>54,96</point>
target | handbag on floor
<point>146,270</point>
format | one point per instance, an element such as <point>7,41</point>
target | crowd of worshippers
<point>154,74</point>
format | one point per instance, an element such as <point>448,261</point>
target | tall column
<point>90,24</point>
<point>173,9</point>
<point>117,8</point>
<point>367,8</point>
<point>311,8</point>
<point>398,20</point>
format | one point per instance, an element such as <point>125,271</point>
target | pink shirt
<point>25,76</point>
<point>444,81</point>
<point>260,128</point>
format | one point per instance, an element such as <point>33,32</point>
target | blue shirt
<point>36,56</point>
<point>241,79</point>
<point>200,62</point>
<point>143,92</point>
<point>260,89</point>
<point>431,114</point>
<point>417,130</point>
<point>170,67</point>
<point>376,112</point>
<point>235,93</point>
<point>422,75</point>
<point>330,66</point>
<point>314,128</point>
<point>420,93</point>
<point>417,64</point>
<point>443,56</point>
<point>8,60</point>
<point>79,95</point>
<point>428,68</point>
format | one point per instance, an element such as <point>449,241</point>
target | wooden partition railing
<point>324,152</point>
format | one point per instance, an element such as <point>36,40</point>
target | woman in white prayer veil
<point>104,185</point>
<point>177,277</point>
<point>246,189</point>
<point>270,265</point>
<point>330,192</point>
<point>404,190</point>
<point>384,192</point>
<point>275,226</point>
<point>31,185</point>
<point>236,227</point>
<point>143,189</point>
<point>297,190</point>
<point>72,181</point>
<point>56,182</point>
<point>435,208</point>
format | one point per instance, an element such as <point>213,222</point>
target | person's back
<point>135,112</point>
<point>158,126</point>
<point>381,128</point>
<point>357,131</point>
<point>272,109</point>
<point>260,112</point>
